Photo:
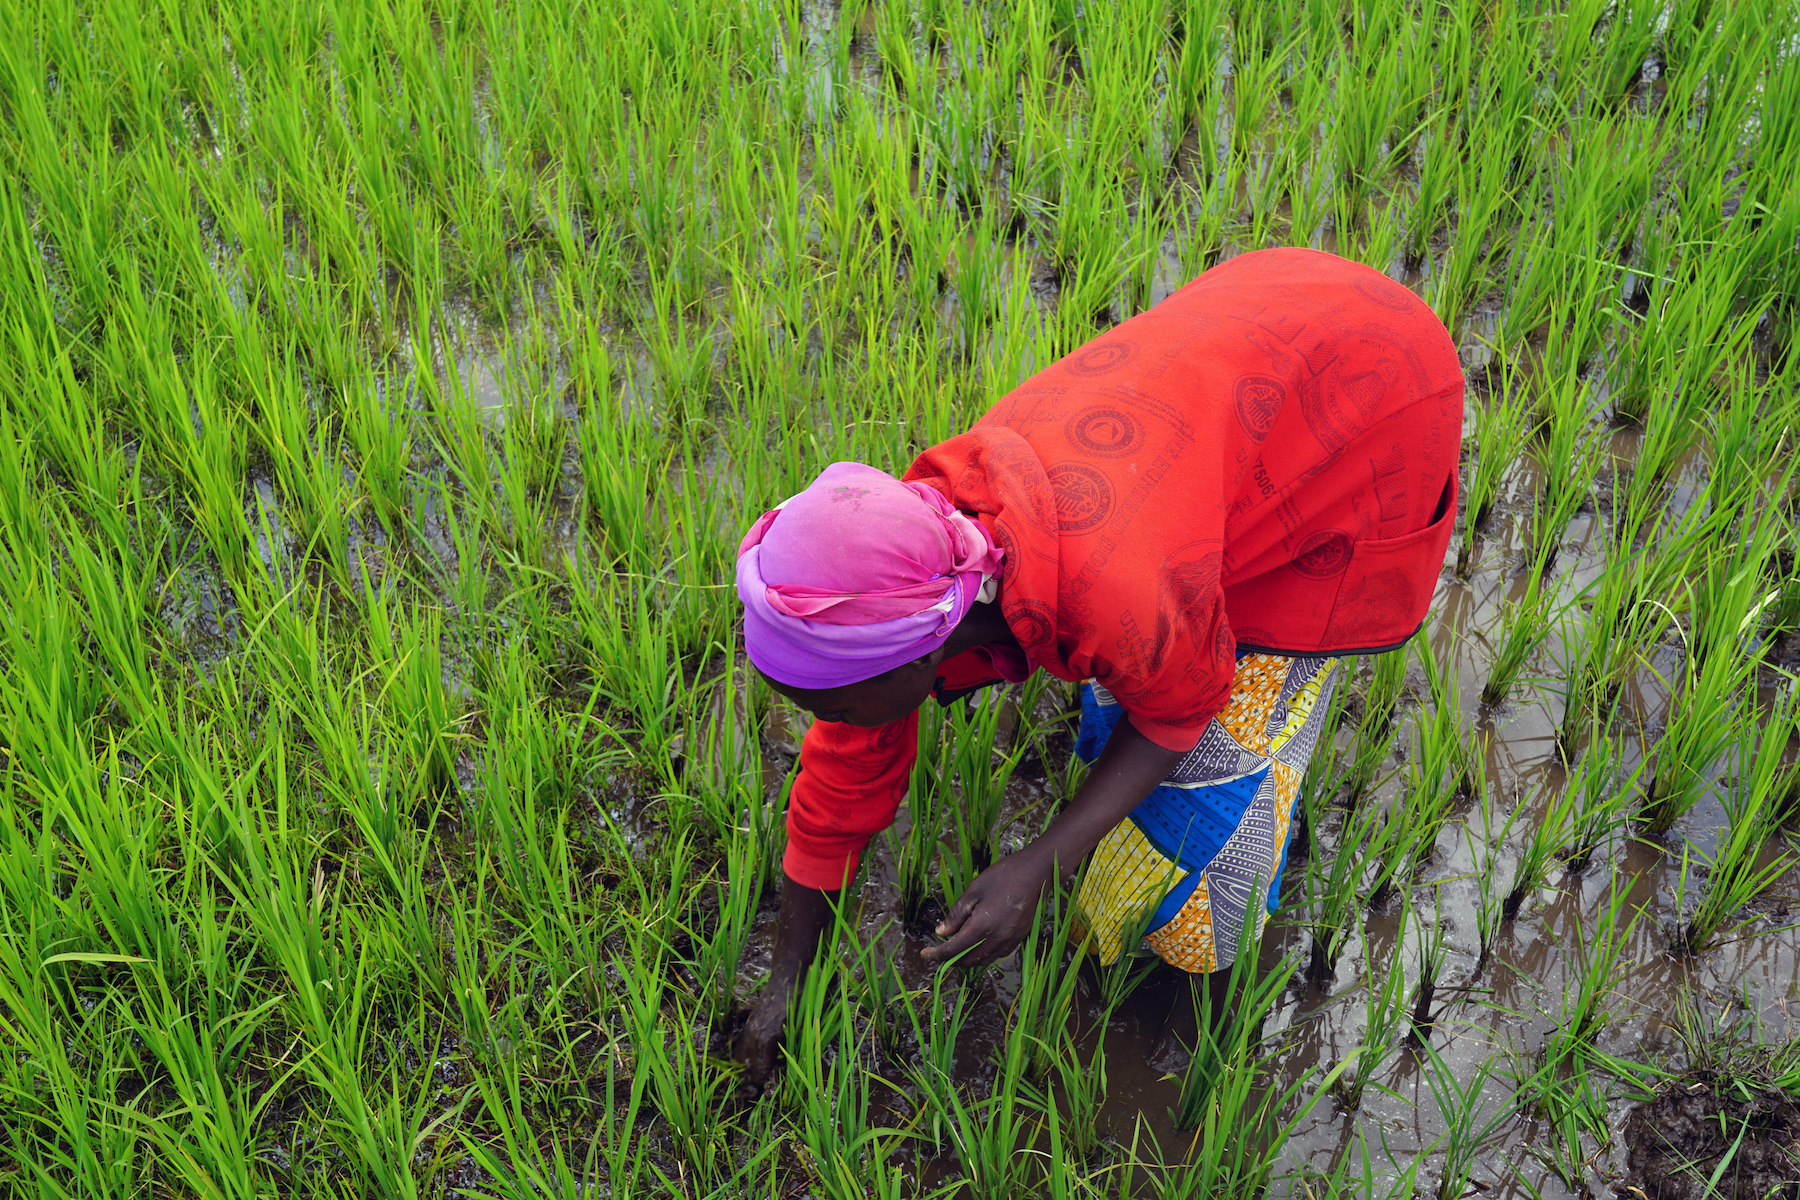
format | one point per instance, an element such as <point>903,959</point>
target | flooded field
<point>386,807</point>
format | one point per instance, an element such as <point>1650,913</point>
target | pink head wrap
<point>857,575</point>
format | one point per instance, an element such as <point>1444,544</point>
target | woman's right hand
<point>806,913</point>
<point>759,1038</point>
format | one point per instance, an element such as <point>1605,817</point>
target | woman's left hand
<point>994,915</point>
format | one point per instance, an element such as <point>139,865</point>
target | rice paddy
<point>387,808</point>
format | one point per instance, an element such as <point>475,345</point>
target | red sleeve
<point>851,781</point>
<point>1173,707</point>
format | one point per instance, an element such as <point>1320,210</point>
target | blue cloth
<point>1189,824</point>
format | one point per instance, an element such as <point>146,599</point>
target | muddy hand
<point>994,915</point>
<point>758,1041</point>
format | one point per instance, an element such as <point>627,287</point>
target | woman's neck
<point>982,625</point>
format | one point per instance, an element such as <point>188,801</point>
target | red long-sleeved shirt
<point>1267,459</point>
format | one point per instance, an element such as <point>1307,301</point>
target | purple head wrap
<point>857,575</point>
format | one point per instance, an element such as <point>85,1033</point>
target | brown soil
<point>1677,1140</point>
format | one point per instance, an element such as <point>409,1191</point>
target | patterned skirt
<point>1179,873</point>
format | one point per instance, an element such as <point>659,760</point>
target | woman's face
<point>872,702</point>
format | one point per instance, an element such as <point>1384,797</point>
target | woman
<point>1197,513</point>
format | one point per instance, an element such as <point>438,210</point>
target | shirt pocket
<point>1386,590</point>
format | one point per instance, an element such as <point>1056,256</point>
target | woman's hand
<point>994,915</point>
<point>806,913</point>
<point>761,1035</point>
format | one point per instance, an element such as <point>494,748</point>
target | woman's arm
<point>994,915</point>
<point>806,913</point>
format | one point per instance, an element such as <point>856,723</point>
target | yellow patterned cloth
<point>1178,875</point>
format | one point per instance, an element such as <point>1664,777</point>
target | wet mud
<point>1712,1135</point>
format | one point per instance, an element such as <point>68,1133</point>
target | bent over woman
<point>1195,515</point>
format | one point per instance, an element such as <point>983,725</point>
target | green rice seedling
<point>990,1135</point>
<point>1045,1001</point>
<point>1304,170</point>
<point>1331,878</point>
<point>1384,1010</point>
<point>1483,190</point>
<point>28,539</point>
<point>1355,1174</point>
<point>1602,802</point>
<point>1416,84</point>
<point>1739,869</point>
<point>725,761</point>
<point>70,426</point>
<point>671,1066</point>
<point>638,663</point>
<point>476,976</point>
<point>64,1137</point>
<point>1525,626</point>
<point>1389,851</point>
<point>981,790</point>
<point>520,1165</point>
<point>716,956</point>
<point>1596,963</point>
<point>116,588</point>
<point>1573,453</point>
<point>214,1151</point>
<point>117,831</point>
<point>877,986</point>
<point>1227,1041</point>
<point>1257,60</point>
<point>382,1129</point>
<point>1387,682</point>
<point>1444,761</point>
<point>936,1027</point>
<point>1469,1121</point>
<point>379,430</point>
<point>1544,846</point>
<point>532,766</point>
<point>532,435</point>
<point>1489,899</point>
<point>613,1131</point>
<point>1423,1017</point>
<point>1536,272</point>
<point>1196,61</point>
<point>1367,104</point>
<point>1630,35</point>
<point>189,425</point>
<point>849,1155</point>
<point>1706,718</point>
<point>464,579</point>
<point>1377,729</point>
<point>1084,1091</point>
<point>1771,768</point>
<point>1624,617</point>
<point>1435,154</point>
<point>1575,1109</point>
<point>308,465</point>
<point>1736,877</point>
<point>408,654</point>
<point>1242,1124</point>
<point>1374,242</point>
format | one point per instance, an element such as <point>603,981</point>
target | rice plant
<point>1526,623</point>
<point>1740,868</point>
<point>1384,1011</point>
<point>1377,729</point>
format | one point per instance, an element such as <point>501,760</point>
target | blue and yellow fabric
<point>1178,873</point>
